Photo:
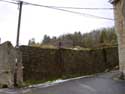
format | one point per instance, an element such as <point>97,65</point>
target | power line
<point>83,8</point>
<point>8,1</point>
<point>84,14</point>
<point>65,10</point>
<point>75,7</point>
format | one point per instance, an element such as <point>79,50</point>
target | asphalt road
<point>98,84</point>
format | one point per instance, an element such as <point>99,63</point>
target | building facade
<point>119,12</point>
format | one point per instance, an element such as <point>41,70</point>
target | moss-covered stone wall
<point>47,64</point>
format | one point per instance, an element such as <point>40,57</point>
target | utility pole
<point>19,23</point>
<point>119,12</point>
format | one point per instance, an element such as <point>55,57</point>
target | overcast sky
<point>38,21</point>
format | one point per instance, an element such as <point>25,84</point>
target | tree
<point>96,38</point>
<point>32,42</point>
<point>103,37</point>
<point>46,39</point>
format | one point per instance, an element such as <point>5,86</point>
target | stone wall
<point>47,64</point>
<point>119,12</point>
<point>40,63</point>
<point>9,56</point>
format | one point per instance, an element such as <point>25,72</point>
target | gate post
<point>11,72</point>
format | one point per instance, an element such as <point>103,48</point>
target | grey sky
<point>37,21</point>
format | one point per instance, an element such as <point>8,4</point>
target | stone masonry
<point>119,12</point>
<point>42,64</point>
<point>10,64</point>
